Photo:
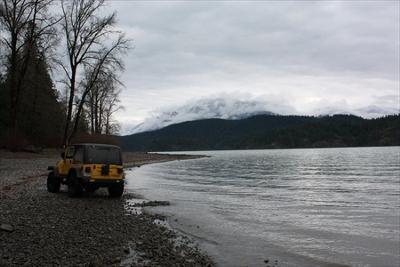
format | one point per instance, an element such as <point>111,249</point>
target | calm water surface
<point>299,207</point>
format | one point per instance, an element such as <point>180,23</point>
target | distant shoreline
<point>172,153</point>
<point>268,132</point>
<point>137,159</point>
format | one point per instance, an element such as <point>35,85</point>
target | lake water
<point>297,207</point>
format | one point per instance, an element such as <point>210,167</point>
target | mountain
<point>268,131</point>
<point>207,108</point>
<point>236,107</point>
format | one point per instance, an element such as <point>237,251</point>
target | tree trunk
<point>78,115</point>
<point>69,110</point>
<point>13,82</point>
<point>91,114</point>
<point>96,114</point>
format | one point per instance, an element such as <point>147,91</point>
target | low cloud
<point>222,107</point>
<point>241,106</point>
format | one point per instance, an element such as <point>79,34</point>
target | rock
<point>116,260</point>
<point>6,227</point>
<point>151,204</point>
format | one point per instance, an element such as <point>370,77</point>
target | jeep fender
<point>54,170</point>
<point>72,174</point>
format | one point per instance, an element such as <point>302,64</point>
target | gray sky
<point>312,57</point>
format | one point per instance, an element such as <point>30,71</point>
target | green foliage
<point>269,131</point>
<point>40,115</point>
<point>39,101</point>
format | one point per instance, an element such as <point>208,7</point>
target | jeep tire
<point>116,190</point>
<point>53,183</point>
<point>74,186</point>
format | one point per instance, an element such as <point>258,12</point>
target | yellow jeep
<point>88,167</point>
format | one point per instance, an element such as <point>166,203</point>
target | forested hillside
<point>269,131</point>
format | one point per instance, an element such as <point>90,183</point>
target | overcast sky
<point>309,56</point>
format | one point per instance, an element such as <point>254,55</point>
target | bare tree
<point>87,35</point>
<point>112,105</point>
<point>108,63</point>
<point>26,25</point>
<point>103,102</point>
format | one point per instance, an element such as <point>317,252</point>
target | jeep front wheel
<point>74,187</point>
<point>53,183</point>
<point>116,190</point>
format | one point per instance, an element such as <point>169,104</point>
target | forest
<point>268,132</point>
<point>60,68</point>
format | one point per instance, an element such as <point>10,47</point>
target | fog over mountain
<point>242,106</point>
<point>206,108</point>
<point>368,112</point>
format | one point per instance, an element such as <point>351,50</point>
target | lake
<point>288,207</point>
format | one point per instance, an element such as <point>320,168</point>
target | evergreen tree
<point>41,116</point>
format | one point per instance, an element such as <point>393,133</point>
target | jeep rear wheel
<point>116,190</point>
<point>74,187</point>
<point>53,183</point>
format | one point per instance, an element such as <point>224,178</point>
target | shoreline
<point>52,229</point>
<point>138,159</point>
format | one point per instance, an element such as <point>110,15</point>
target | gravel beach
<point>38,228</point>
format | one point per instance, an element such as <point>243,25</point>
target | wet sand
<point>44,229</point>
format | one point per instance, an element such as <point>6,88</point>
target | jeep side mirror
<point>63,154</point>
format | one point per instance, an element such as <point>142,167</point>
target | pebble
<point>54,229</point>
<point>6,227</point>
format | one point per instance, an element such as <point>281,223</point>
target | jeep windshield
<point>103,155</point>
